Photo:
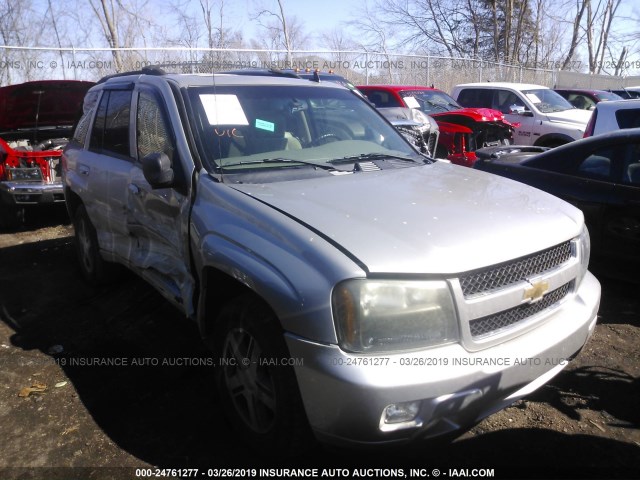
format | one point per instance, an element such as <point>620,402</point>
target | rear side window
<point>476,97</point>
<point>110,132</point>
<point>598,164</point>
<point>629,118</point>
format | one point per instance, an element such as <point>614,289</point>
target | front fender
<point>291,268</point>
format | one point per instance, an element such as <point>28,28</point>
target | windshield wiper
<point>437,105</point>
<point>277,160</point>
<point>372,156</point>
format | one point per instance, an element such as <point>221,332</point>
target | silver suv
<point>348,285</point>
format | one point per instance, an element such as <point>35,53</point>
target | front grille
<point>498,276</point>
<point>492,323</point>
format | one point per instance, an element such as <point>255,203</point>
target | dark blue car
<point>600,175</point>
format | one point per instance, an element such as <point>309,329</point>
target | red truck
<point>462,130</point>
<point>36,120</point>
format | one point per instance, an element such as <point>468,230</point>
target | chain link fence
<point>20,64</point>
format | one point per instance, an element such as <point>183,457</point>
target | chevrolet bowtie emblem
<point>536,292</point>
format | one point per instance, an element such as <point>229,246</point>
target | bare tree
<point>340,44</point>
<point>593,23</point>
<point>375,36</point>
<point>16,29</point>
<point>580,9</point>
<point>105,12</point>
<point>431,26</point>
<point>54,23</point>
<point>600,23</point>
<point>545,44</point>
<point>284,32</point>
<point>189,28</point>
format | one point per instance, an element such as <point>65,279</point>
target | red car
<point>462,130</point>
<point>36,119</point>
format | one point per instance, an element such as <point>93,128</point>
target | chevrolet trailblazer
<point>350,286</point>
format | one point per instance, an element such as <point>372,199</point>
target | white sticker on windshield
<point>411,102</point>
<point>223,109</point>
<point>533,97</point>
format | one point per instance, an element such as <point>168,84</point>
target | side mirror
<point>157,170</point>
<point>520,110</point>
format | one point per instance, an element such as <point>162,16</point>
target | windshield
<point>429,101</point>
<point>547,101</point>
<point>263,127</point>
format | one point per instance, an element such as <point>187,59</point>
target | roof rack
<point>262,72</point>
<point>153,70</point>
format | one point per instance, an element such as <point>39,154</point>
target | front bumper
<point>28,193</point>
<point>345,395</point>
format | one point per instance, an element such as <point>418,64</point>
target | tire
<point>261,400</point>
<point>11,216</point>
<point>95,270</point>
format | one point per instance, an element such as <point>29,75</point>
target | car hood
<point>576,115</point>
<point>47,103</point>
<point>437,218</point>
<point>475,114</point>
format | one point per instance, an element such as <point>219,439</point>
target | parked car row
<point>477,116</point>
<point>586,99</point>
<point>627,93</point>
<point>462,130</point>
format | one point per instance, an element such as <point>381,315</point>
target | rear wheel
<point>259,393</point>
<point>94,268</point>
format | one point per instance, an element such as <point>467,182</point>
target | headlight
<point>24,174</point>
<point>584,245</point>
<point>375,316</point>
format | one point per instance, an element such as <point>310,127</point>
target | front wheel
<point>259,391</point>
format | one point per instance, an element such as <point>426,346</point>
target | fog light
<point>398,416</point>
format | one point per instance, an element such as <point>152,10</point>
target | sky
<point>317,15</point>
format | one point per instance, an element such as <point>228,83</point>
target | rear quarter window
<point>629,118</point>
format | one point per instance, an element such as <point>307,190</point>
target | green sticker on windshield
<point>264,125</point>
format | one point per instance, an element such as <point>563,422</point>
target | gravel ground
<point>59,420</point>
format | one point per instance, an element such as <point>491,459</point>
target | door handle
<point>135,189</point>
<point>83,170</point>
